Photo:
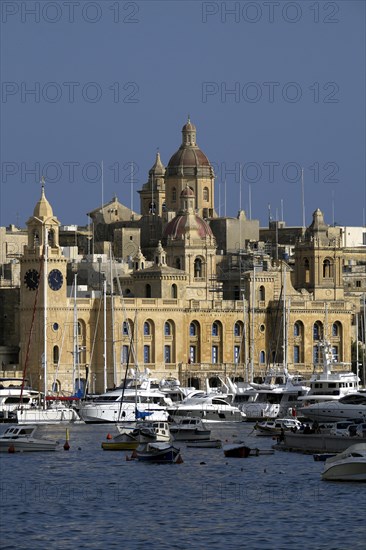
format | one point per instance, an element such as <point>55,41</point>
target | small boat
<point>322,457</point>
<point>22,439</point>
<point>237,450</point>
<point>274,427</point>
<point>130,437</point>
<point>205,444</point>
<point>350,465</point>
<point>189,429</point>
<point>160,453</point>
<point>259,452</point>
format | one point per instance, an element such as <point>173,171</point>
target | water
<point>94,499</point>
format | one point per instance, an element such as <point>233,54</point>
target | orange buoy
<point>11,449</point>
<point>179,459</point>
<point>109,436</point>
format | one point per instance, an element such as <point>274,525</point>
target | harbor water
<point>87,498</point>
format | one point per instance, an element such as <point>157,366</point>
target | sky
<point>276,90</point>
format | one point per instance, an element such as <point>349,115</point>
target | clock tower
<point>43,297</point>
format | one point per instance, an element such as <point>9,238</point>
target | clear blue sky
<point>271,86</point>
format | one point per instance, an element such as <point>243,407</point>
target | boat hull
<point>27,446</point>
<point>208,444</point>
<point>167,455</point>
<point>236,451</point>
<point>64,415</point>
<point>354,471</point>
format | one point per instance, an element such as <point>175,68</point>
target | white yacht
<point>349,407</point>
<point>127,404</point>
<point>350,465</point>
<point>23,438</point>
<point>12,396</point>
<point>329,385</point>
<point>208,407</point>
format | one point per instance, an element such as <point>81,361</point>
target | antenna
<point>250,201</point>
<point>220,199</point>
<point>225,198</point>
<point>240,187</point>
<point>303,197</point>
<point>281,210</point>
<point>131,185</point>
<point>102,185</point>
<point>333,222</point>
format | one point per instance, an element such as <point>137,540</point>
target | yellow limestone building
<point>171,306</point>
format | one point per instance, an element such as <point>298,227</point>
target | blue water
<point>94,499</point>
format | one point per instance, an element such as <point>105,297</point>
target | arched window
<point>335,329</point>
<point>80,329</point>
<point>193,329</point>
<point>147,329</point>
<point>174,291</point>
<point>51,237</point>
<point>327,268</point>
<point>215,329</point>
<point>148,291</point>
<point>262,293</point>
<point>177,263</point>
<point>125,328</point>
<point>36,238</point>
<point>206,194</point>
<point>307,270</point>
<point>317,331</point>
<point>237,329</point>
<point>297,329</point>
<point>198,268</point>
<point>262,357</point>
<point>174,194</point>
<point>167,329</point>
<point>56,354</point>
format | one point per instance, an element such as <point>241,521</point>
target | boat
<point>205,444</point>
<point>160,453</point>
<point>13,393</point>
<point>57,410</point>
<point>237,450</point>
<point>274,427</point>
<point>208,407</point>
<point>131,401</point>
<point>313,443</point>
<point>349,407</point>
<point>22,439</point>
<point>189,429</point>
<point>349,465</point>
<point>131,436</point>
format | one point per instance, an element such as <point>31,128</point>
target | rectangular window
<point>167,354</point>
<point>125,354</point>
<point>192,354</point>
<point>296,354</point>
<point>146,354</point>
<point>215,354</point>
<point>236,354</point>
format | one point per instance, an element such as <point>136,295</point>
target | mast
<point>45,255</point>
<point>105,335</point>
<point>75,354</point>
<point>252,335</point>
<point>112,317</point>
<point>284,313</point>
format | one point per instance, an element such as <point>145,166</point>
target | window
<point>167,329</point>
<point>56,354</point>
<point>215,329</point>
<point>174,194</point>
<point>193,329</point>
<point>147,330</point>
<point>174,291</point>
<point>317,331</point>
<point>335,353</point>
<point>177,263</point>
<point>206,195</point>
<point>80,332</point>
<point>146,354</point>
<point>296,354</point>
<point>125,328</point>
<point>237,329</point>
<point>262,293</point>
<point>236,354</point>
<point>125,351</point>
<point>297,330</point>
<point>198,268</point>
<point>167,354</point>
<point>335,331</point>
<point>358,284</point>
<point>262,357</point>
<point>327,268</point>
<point>316,355</point>
<point>148,291</point>
<point>307,270</point>
<point>193,354</point>
<point>215,354</point>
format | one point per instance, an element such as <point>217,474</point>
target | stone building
<point>182,305</point>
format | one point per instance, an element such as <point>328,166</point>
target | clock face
<point>55,279</point>
<point>31,279</point>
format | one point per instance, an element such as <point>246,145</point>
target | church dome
<point>178,226</point>
<point>189,160</point>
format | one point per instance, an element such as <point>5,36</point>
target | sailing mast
<point>45,256</point>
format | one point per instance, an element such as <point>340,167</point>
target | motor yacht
<point>349,407</point>
<point>23,439</point>
<point>209,408</point>
<point>349,465</point>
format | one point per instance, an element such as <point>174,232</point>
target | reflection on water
<point>90,498</point>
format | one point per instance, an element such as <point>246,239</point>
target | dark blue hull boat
<point>159,453</point>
